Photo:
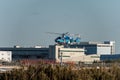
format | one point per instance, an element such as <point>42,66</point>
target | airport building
<point>107,47</point>
<point>82,52</point>
<point>107,57</point>
<point>19,53</point>
<point>60,53</point>
<point>63,54</point>
<point>6,56</point>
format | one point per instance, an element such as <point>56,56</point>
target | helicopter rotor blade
<point>62,34</point>
<point>78,35</point>
<point>54,33</point>
<point>67,33</point>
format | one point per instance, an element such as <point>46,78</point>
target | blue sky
<point>25,22</point>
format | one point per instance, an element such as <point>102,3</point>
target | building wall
<point>71,54</point>
<point>89,49</point>
<point>107,47</point>
<point>91,58</point>
<point>110,57</point>
<point>27,53</point>
<point>41,53</point>
<point>112,44</point>
<point>103,50</point>
<point>6,56</point>
<point>66,54</point>
<point>52,52</point>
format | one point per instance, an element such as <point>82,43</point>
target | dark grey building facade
<point>27,53</point>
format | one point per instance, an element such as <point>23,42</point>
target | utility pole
<point>61,59</point>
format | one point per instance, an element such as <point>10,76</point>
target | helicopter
<point>66,38</point>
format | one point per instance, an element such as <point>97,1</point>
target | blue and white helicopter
<point>66,38</point>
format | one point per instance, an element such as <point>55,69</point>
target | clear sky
<point>25,22</point>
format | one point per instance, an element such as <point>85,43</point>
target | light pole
<point>61,59</point>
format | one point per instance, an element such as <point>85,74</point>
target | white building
<point>6,56</point>
<point>107,47</point>
<point>66,54</point>
<point>60,53</point>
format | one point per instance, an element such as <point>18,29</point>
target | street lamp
<point>61,59</point>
